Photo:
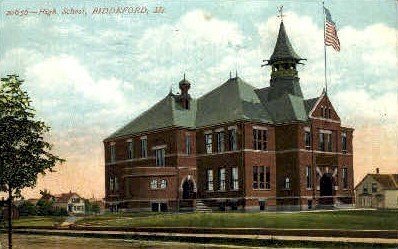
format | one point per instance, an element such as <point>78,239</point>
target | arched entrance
<point>188,189</point>
<point>326,189</point>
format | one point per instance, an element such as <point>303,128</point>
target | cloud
<point>65,73</point>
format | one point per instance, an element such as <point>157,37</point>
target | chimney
<point>377,171</point>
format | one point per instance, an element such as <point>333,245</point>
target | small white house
<point>377,191</point>
<point>72,202</point>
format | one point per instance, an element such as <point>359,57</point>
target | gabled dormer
<point>322,108</point>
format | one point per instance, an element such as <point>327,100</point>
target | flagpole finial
<point>280,10</point>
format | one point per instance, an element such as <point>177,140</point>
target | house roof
<point>65,197</point>
<point>283,48</point>
<point>387,181</point>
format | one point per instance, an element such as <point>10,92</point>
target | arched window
<point>287,183</point>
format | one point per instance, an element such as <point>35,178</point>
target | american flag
<point>331,38</point>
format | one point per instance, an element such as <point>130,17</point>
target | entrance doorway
<point>326,189</point>
<point>188,189</point>
<point>159,207</point>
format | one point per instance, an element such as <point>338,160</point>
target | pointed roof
<point>283,49</point>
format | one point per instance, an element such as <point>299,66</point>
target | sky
<point>89,74</point>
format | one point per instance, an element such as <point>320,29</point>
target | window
<point>329,141</point>
<point>221,173</point>
<point>220,141</point>
<point>325,141</point>
<point>365,189</point>
<point>307,139</point>
<point>163,184</point>
<point>261,177</point>
<point>111,184</point>
<point>374,187</point>
<point>188,144</point>
<point>267,178</point>
<point>255,177</point>
<point>130,150</point>
<point>344,142</point>
<point>287,183</point>
<point>329,112</point>
<point>160,157</point>
<point>235,179</point>
<point>259,139</point>
<point>323,109</point>
<point>115,180</point>
<point>322,141</point>
<point>113,152</point>
<point>144,149</point>
<point>154,184</point>
<point>308,174</point>
<point>232,140</point>
<point>210,179</point>
<point>345,178</point>
<point>209,143</point>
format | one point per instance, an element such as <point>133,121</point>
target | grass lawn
<point>354,219</point>
<point>38,221</point>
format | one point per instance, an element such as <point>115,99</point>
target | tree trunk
<point>9,218</point>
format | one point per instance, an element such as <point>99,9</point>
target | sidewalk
<point>207,238</point>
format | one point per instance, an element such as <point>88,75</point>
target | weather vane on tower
<point>280,10</point>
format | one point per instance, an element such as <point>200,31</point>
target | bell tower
<point>283,62</point>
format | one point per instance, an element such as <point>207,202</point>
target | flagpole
<point>324,45</point>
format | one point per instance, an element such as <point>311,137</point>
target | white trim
<point>257,127</point>
<point>234,127</point>
<point>219,129</point>
<point>143,137</point>
<point>230,152</point>
<point>112,143</point>
<point>316,104</point>
<point>326,131</point>
<point>129,140</point>
<point>307,129</point>
<point>159,147</point>
<point>208,132</point>
<point>327,119</point>
<point>335,172</point>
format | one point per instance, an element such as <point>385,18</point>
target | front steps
<point>201,207</point>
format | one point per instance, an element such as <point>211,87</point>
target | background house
<point>72,202</point>
<point>377,191</point>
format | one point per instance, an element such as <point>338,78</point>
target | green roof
<point>233,100</point>
<point>165,113</point>
<point>287,108</point>
<point>283,48</point>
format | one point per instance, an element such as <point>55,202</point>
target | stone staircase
<point>201,207</point>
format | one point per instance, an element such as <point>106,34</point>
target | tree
<point>45,205</point>
<point>26,209</point>
<point>24,153</point>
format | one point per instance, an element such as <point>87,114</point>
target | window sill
<point>308,188</point>
<point>261,189</point>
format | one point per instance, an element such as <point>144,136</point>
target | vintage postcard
<point>198,124</point>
